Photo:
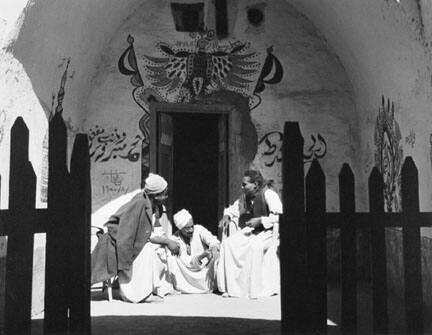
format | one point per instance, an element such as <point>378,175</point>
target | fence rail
<point>66,223</point>
<point>303,244</point>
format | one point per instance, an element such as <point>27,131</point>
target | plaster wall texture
<point>384,48</point>
<point>39,38</point>
<point>315,89</point>
<point>36,39</point>
<point>387,54</point>
<point>339,58</point>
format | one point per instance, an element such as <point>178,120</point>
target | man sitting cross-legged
<point>193,271</point>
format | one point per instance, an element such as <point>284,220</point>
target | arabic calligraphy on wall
<point>106,144</point>
<point>270,146</point>
<point>389,154</point>
<point>317,149</point>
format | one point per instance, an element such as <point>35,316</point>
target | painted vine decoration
<point>127,65</point>
<point>272,65</point>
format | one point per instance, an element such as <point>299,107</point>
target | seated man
<point>193,271</point>
<point>125,250</point>
<point>248,264</point>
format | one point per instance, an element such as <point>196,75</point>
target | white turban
<point>155,184</point>
<point>182,218</point>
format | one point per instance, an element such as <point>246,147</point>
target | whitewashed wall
<point>315,89</point>
<point>339,58</point>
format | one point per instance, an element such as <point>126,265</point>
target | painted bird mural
<point>198,73</point>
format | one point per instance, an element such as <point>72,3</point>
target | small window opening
<point>188,17</point>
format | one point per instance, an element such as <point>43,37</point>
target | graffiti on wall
<point>410,139</point>
<point>389,154</point>
<point>271,148</point>
<point>106,145</point>
<point>190,71</point>
<point>112,183</point>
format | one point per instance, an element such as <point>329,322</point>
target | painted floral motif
<point>389,155</point>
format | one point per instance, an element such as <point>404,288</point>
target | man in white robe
<point>193,270</point>
<point>149,272</point>
<point>248,264</point>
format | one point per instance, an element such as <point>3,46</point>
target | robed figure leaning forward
<point>129,230</point>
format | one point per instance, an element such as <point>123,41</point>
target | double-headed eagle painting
<point>199,72</point>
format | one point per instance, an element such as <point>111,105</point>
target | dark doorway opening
<point>195,165</point>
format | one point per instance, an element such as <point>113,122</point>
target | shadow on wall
<point>166,325</point>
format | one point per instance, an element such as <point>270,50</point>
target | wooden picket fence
<point>303,244</point>
<point>66,223</point>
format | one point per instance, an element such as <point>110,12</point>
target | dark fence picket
<point>292,234</point>
<point>348,253</point>
<point>378,251</point>
<point>316,249</point>
<point>66,223</point>
<point>411,249</point>
<point>80,227</point>
<point>57,273</point>
<point>299,248</point>
<point>19,259</point>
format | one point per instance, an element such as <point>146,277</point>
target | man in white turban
<point>134,236</point>
<point>193,270</point>
<point>155,184</point>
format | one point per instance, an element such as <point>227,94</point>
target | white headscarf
<point>182,218</point>
<point>155,184</point>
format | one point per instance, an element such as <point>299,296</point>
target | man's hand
<point>174,247</point>
<point>215,250</point>
<point>224,222</point>
<point>214,253</point>
<point>206,254</point>
<point>253,223</point>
